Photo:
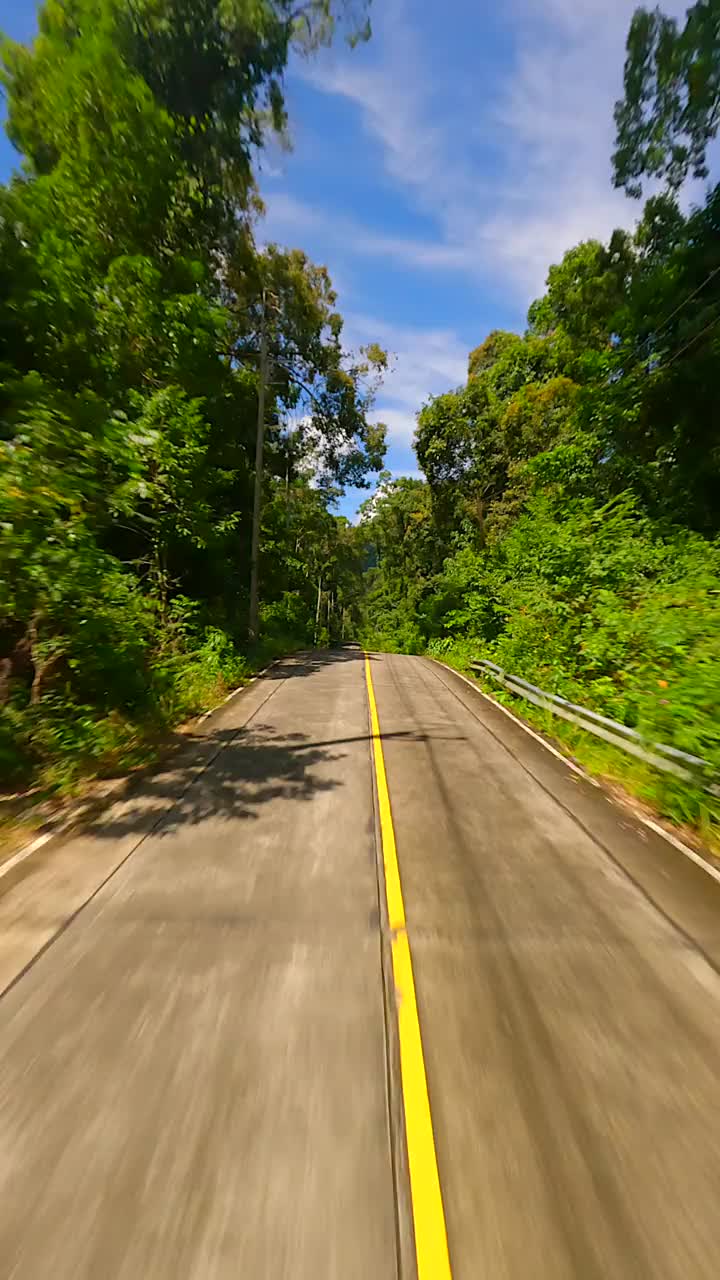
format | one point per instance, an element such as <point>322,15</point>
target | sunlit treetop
<point>670,111</point>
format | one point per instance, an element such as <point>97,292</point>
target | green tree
<point>399,549</point>
<point>129,372</point>
<point>570,498</point>
<point>671,108</point>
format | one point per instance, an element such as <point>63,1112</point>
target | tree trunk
<point>317,610</point>
<point>42,670</point>
<point>253,627</point>
<point>6,667</point>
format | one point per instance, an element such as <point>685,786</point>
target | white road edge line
<point>39,841</point>
<point>684,848</point>
<point>538,738</point>
<point>647,822</point>
<point>22,854</point>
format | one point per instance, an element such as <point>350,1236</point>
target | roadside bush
<point>610,611</point>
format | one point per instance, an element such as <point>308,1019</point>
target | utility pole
<point>253,626</point>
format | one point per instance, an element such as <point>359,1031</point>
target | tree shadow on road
<point>225,774</point>
<point>231,774</point>
<point>309,662</point>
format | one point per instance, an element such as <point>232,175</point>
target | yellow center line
<point>431,1248</point>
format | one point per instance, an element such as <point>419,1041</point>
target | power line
<point>658,333</point>
<point>676,356</point>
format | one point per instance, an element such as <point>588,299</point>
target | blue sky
<point>439,170</point>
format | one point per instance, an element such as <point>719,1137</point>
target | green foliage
<point>596,604</point>
<point>132,298</point>
<point>399,552</point>
<point>182,90</point>
<point>671,108</point>
<point>568,527</point>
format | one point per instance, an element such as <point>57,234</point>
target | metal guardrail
<point>669,759</point>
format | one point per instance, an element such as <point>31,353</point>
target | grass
<point>69,748</point>
<point>686,807</point>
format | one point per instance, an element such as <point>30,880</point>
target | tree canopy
<point>670,111</point>
<point>567,527</point>
<point>133,295</point>
<point>568,522</point>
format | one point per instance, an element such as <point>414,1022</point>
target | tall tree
<point>129,370</point>
<point>671,108</point>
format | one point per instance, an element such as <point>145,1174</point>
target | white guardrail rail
<point>669,759</point>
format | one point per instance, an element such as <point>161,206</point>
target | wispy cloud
<point>399,422</point>
<point>288,216</point>
<point>391,95</point>
<point>424,362</point>
<point>549,125</point>
<point>555,116</point>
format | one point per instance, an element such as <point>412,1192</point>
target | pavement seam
<point>86,811</point>
<point>66,924</point>
<point>700,861</point>
<point>690,941</point>
<point>428,1214</point>
<point>396,1136</point>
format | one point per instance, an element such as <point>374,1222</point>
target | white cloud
<point>399,422</point>
<point>424,362</point>
<point>289,216</point>
<point>390,95</point>
<point>556,119</point>
<point>549,125</point>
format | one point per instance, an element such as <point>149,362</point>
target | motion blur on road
<point>200,1057</point>
<point>359,640</point>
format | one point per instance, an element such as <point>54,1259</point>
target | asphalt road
<point>198,1057</point>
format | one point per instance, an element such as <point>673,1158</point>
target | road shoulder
<point>677,886</point>
<point>43,890</point>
